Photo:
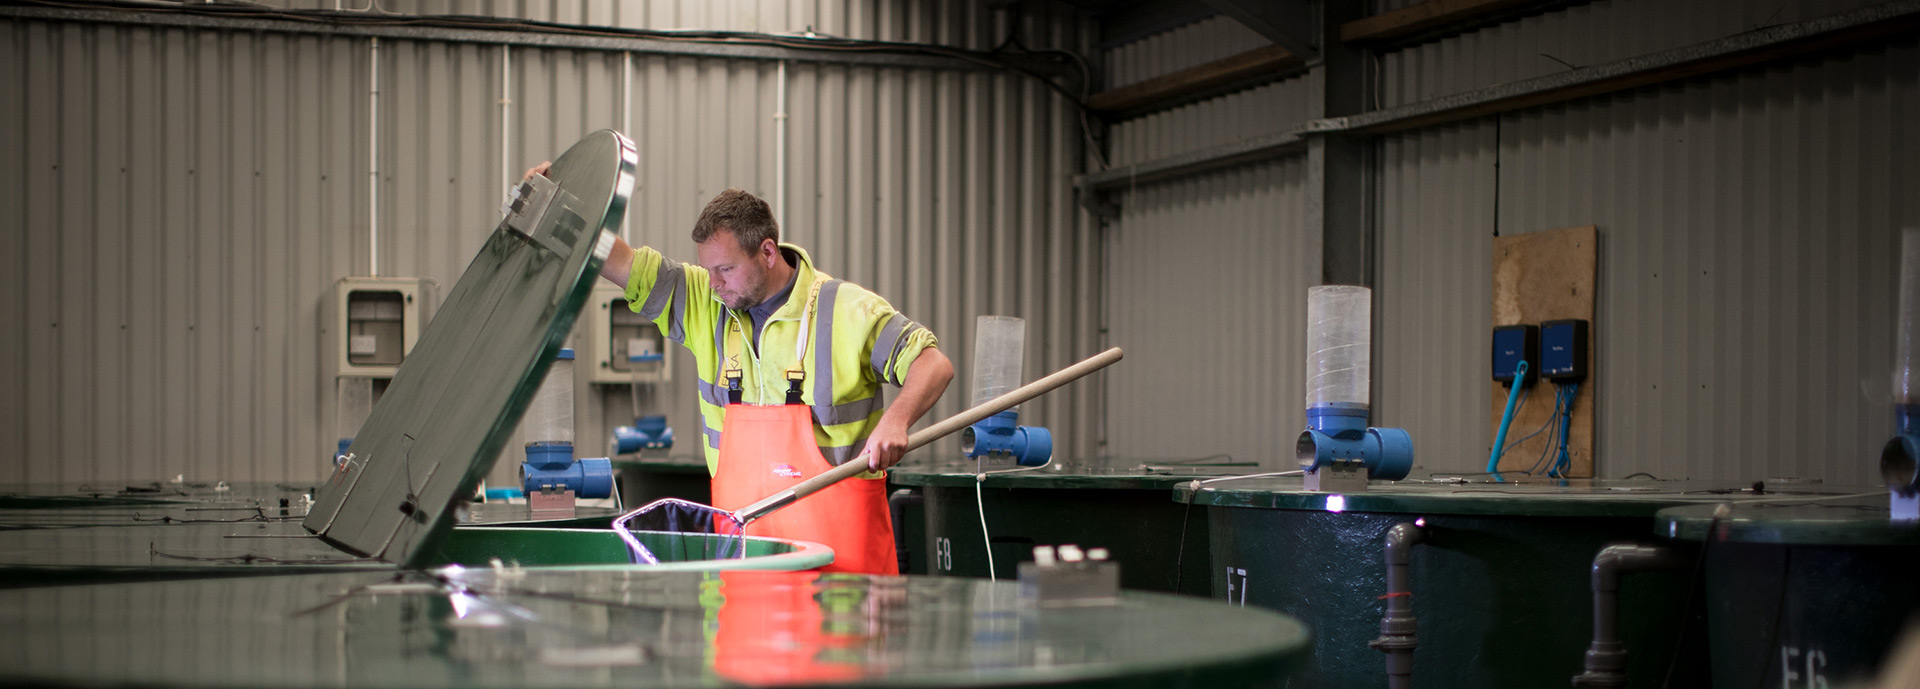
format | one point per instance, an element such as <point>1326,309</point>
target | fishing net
<point>693,531</point>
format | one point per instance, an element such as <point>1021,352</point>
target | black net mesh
<point>705,532</point>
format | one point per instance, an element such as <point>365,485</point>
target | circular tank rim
<point>1033,479</point>
<point>1860,521</point>
<point>660,466</point>
<point>1591,498</point>
<point>805,555</point>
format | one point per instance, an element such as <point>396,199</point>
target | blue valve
<point>1001,434</point>
<point>551,465</point>
<point>646,433</point>
<point>1337,433</point>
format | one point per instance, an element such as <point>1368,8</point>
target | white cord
<point>981,504</point>
<point>1296,472</point>
<point>1816,498</point>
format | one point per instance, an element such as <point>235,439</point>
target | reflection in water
<point>606,628</point>
<point>779,628</point>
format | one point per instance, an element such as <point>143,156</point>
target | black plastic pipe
<point>1606,664</point>
<point>897,505</point>
<point>1398,628</point>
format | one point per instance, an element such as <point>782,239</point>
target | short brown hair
<point>745,214</point>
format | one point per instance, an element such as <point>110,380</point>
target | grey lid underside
<point>459,393</point>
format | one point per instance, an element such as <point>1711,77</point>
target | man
<point>790,363</point>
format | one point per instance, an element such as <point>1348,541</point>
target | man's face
<point>737,277</point>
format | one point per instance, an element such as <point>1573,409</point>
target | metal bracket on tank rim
<point>1338,476</point>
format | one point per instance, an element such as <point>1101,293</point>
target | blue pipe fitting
<point>1001,434</point>
<point>553,465</point>
<point>1900,459</point>
<point>646,433</point>
<point>344,444</point>
<point>1340,433</point>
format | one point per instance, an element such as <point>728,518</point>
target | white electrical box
<point>623,347</point>
<point>375,323</point>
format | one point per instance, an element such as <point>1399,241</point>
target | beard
<point>749,294</point>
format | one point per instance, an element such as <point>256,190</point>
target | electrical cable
<point>1553,422</point>
<point>1180,554</point>
<point>249,559</point>
<point>980,504</point>
<point>1693,582</point>
<point>1543,427</point>
<point>1193,489</point>
<point>1566,423</point>
<point>809,41</point>
<point>1779,603</point>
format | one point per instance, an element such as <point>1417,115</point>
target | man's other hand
<point>540,169</point>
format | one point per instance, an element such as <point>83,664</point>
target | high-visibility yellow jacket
<point>854,341</point>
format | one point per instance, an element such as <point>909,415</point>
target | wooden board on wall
<point>1539,277</point>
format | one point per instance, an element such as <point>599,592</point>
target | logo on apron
<point>785,471</point>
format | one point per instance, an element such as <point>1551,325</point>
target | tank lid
<point>478,363</point>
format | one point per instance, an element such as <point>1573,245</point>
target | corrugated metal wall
<point>1208,274</point>
<point>1748,225</point>
<point>194,195</point>
<point>1766,201</point>
<point>1433,292</point>
<point>1581,35</point>
<point>1267,109</point>
<point>1179,48</point>
<point>1208,281</point>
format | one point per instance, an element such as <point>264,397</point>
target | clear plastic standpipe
<point>1339,337</point>
<point>1906,388</point>
<point>999,348</point>
<point>549,418</point>
<point>353,405</point>
<point>1900,459</point>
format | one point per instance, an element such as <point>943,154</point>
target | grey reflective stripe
<point>715,395</point>
<point>677,325</point>
<point>883,345</point>
<point>889,345</point>
<point>713,436</point>
<point>902,345</point>
<point>720,347</point>
<point>666,281</point>
<point>857,410</point>
<point>839,455</point>
<point>823,409</point>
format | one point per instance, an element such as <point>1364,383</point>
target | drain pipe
<point>1398,629</point>
<point>780,144</point>
<point>1607,657</point>
<point>506,116</point>
<point>373,157</point>
<point>897,504</point>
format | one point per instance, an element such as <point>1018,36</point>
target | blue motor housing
<point>553,465</point>
<point>646,433</point>
<point>1900,459</point>
<point>1339,433</point>
<point>1001,434</point>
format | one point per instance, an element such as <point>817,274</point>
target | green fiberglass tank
<point>1500,584</point>
<point>1799,592</point>
<point>1124,510</point>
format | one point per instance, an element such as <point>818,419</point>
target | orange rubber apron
<point>766,449</point>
